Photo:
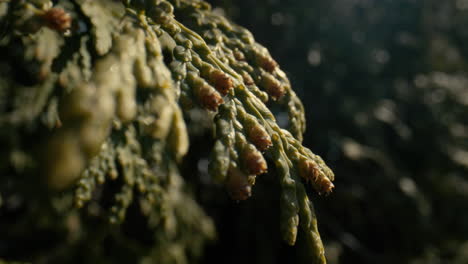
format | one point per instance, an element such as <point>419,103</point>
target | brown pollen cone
<point>57,19</point>
<point>259,137</point>
<point>272,86</point>
<point>267,63</point>
<point>310,171</point>
<point>209,98</point>
<point>239,55</point>
<point>247,78</point>
<point>254,161</point>
<point>237,185</point>
<point>221,81</point>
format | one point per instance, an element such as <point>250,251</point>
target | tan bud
<point>178,136</point>
<point>159,124</point>
<point>63,160</point>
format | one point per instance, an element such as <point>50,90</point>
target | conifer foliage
<point>94,98</point>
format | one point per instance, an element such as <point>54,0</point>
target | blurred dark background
<point>384,84</point>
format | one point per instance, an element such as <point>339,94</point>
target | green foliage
<point>385,82</point>
<point>93,96</point>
